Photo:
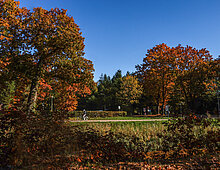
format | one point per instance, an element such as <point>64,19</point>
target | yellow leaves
<point>130,90</point>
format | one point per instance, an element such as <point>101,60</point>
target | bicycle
<point>82,117</point>
<point>85,117</point>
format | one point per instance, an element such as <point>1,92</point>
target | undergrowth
<point>45,141</point>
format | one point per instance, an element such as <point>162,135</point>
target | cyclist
<point>84,114</point>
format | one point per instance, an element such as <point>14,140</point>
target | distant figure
<point>148,110</point>
<point>144,110</point>
<point>84,114</point>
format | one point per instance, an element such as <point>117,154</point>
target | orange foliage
<point>44,49</point>
<point>164,68</point>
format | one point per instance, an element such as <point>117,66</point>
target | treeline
<point>185,78</point>
<point>42,65</point>
<point>116,93</point>
<point>171,79</point>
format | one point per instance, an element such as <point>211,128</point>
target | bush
<point>190,136</point>
<point>93,114</point>
<point>37,140</point>
<point>109,147</point>
<point>43,141</point>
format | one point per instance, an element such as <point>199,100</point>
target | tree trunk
<point>158,103</point>
<point>163,93</point>
<point>32,98</point>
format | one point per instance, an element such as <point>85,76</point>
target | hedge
<point>92,114</point>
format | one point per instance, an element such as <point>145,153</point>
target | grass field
<point>131,134</point>
<point>121,118</point>
<point>125,127</point>
<point>143,132</point>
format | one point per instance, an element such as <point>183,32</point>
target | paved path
<point>133,120</point>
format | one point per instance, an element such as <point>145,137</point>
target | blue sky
<point>119,32</point>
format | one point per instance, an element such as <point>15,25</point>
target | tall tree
<point>194,74</point>
<point>156,73</point>
<point>104,96</point>
<point>116,85</point>
<point>104,91</point>
<point>45,45</point>
<point>179,71</point>
<point>130,91</point>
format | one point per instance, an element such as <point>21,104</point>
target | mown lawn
<point>121,118</point>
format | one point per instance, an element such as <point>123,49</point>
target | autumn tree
<point>130,91</point>
<point>157,73</point>
<point>7,94</point>
<point>194,75</point>
<point>177,75</point>
<point>44,48</point>
<point>100,99</point>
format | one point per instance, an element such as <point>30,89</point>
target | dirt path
<point>133,120</point>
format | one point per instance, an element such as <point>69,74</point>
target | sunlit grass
<point>142,137</point>
<point>121,118</point>
<point>145,131</point>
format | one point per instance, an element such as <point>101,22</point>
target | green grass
<point>141,123</point>
<point>127,118</point>
<point>122,118</point>
<point>136,136</point>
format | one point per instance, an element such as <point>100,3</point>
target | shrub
<point>34,140</point>
<point>190,136</point>
<point>93,114</point>
<point>109,147</point>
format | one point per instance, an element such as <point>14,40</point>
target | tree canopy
<point>177,75</point>
<point>42,51</point>
<point>124,91</point>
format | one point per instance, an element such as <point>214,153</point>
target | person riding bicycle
<point>84,114</point>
